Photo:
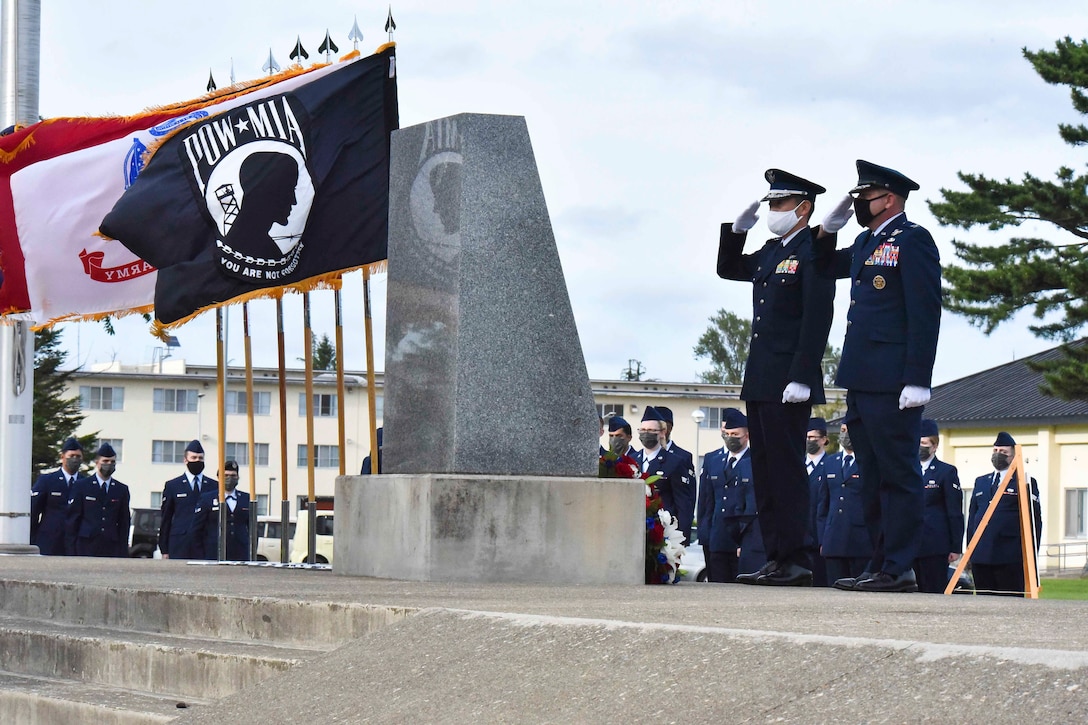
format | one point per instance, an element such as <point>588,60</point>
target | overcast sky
<point>652,122</point>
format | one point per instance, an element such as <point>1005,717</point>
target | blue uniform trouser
<point>886,444</point>
<point>777,432</point>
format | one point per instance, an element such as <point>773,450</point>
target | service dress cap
<point>784,184</point>
<point>733,418</point>
<point>871,176</point>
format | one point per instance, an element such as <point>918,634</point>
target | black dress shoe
<point>751,578</point>
<point>787,575</point>
<point>850,583</point>
<point>885,582</point>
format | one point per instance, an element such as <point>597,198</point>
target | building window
<point>607,410</point>
<point>236,402</point>
<point>324,405</point>
<point>171,400</point>
<point>262,506</point>
<point>325,456</point>
<point>379,407</point>
<point>92,397</point>
<point>1076,513</point>
<point>156,499</point>
<point>240,452</point>
<point>713,417</point>
<point>168,451</point>
<point>117,444</point>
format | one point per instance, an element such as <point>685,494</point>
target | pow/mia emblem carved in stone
<point>435,197</point>
<point>248,167</point>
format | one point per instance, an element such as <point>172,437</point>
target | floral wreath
<point>664,540</point>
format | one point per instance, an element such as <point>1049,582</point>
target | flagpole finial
<point>211,81</point>
<point>270,66</point>
<point>328,47</point>
<point>299,53</point>
<point>390,25</point>
<point>356,35</point>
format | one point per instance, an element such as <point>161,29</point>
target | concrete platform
<point>685,653</point>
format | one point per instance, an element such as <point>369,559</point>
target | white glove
<point>796,393</point>
<point>747,219</point>
<point>913,396</point>
<point>836,218</point>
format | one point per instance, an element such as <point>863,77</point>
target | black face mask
<point>812,447</point>
<point>649,440</point>
<point>734,444</point>
<point>195,467</point>
<point>1000,461</point>
<point>863,211</point>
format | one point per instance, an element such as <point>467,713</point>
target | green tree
<point>55,417</point>
<point>1050,278</point>
<point>830,363</point>
<point>725,342</point>
<point>324,354</point>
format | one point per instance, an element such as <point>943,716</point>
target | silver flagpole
<point>20,34</point>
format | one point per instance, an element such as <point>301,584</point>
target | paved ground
<point>690,652</point>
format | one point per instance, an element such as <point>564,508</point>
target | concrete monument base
<point>490,528</point>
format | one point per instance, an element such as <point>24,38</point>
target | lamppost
<point>698,415</point>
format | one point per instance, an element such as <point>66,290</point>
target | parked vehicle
<point>143,542</point>
<point>323,528</point>
<point>268,538</point>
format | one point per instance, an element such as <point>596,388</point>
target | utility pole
<point>20,55</point>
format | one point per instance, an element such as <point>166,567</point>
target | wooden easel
<point>1027,536</point>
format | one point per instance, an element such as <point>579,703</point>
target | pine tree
<point>1048,277</point>
<point>55,417</point>
<point>324,354</point>
<point>725,342</point>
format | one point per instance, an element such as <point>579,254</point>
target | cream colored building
<point>150,412</point>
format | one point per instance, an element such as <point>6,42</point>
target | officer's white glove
<point>913,396</point>
<point>796,393</point>
<point>836,218</point>
<point>747,219</point>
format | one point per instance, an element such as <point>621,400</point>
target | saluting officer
<point>782,377</point>
<point>887,363</point>
<point>98,510</point>
<point>49,502</point>
<point>997,563</point>
<point>180,496</point>
<point>942,522</point>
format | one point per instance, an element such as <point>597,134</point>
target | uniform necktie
<point>196,484</point>
<point>997,480</point>
<point>105,487</point>
<point>847,462</point>
<point>811,467</point>
<point>732,463</point>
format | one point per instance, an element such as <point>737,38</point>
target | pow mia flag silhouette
<point>278,190</point>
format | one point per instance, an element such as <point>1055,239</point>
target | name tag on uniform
<point>831,475</point>
<point>54,493</point>
<point>713,478</point>
<point>182,495</point>
<point>89,498</point>
<point>787,266</point>
<point>931,484</point>
<point>886,255</point>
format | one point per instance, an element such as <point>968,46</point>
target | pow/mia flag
<point>277,191</point>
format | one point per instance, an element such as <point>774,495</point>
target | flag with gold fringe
<point>58,178</point>
<point>290,189</point>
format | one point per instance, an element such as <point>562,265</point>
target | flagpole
<point>221,400</point>
<point>340,404</point>
<point>252,444</point>
<point>310,448</point>
<point>20,26</point>
<point>371,396</point>
<point>285,505</point>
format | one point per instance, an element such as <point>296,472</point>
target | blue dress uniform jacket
<point>721,532</point>
<point>176,532</point>
<point>48,512</point>
<point>812,533</point>
<point>634,453</point>
<point>895,306</point>
<point>942,523</point>
<point>840,514</point>
<point>792,313</point>
<point>676,487</point>
<point>1000,543</point>
<point>98,523</point>
<point>741,516</point>
<point>206,522</point>
<point>713,470</point>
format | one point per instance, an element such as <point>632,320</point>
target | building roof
<point>1003,395</point>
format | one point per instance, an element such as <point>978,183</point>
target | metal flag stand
<point>1027,533</point>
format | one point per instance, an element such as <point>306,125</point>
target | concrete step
<point>159,663</point>
<point>318,625</point>
<point>46,701</point>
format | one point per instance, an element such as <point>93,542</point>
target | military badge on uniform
<point>886,255</point>
<point>879,282</point>
<point>787,266</point>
